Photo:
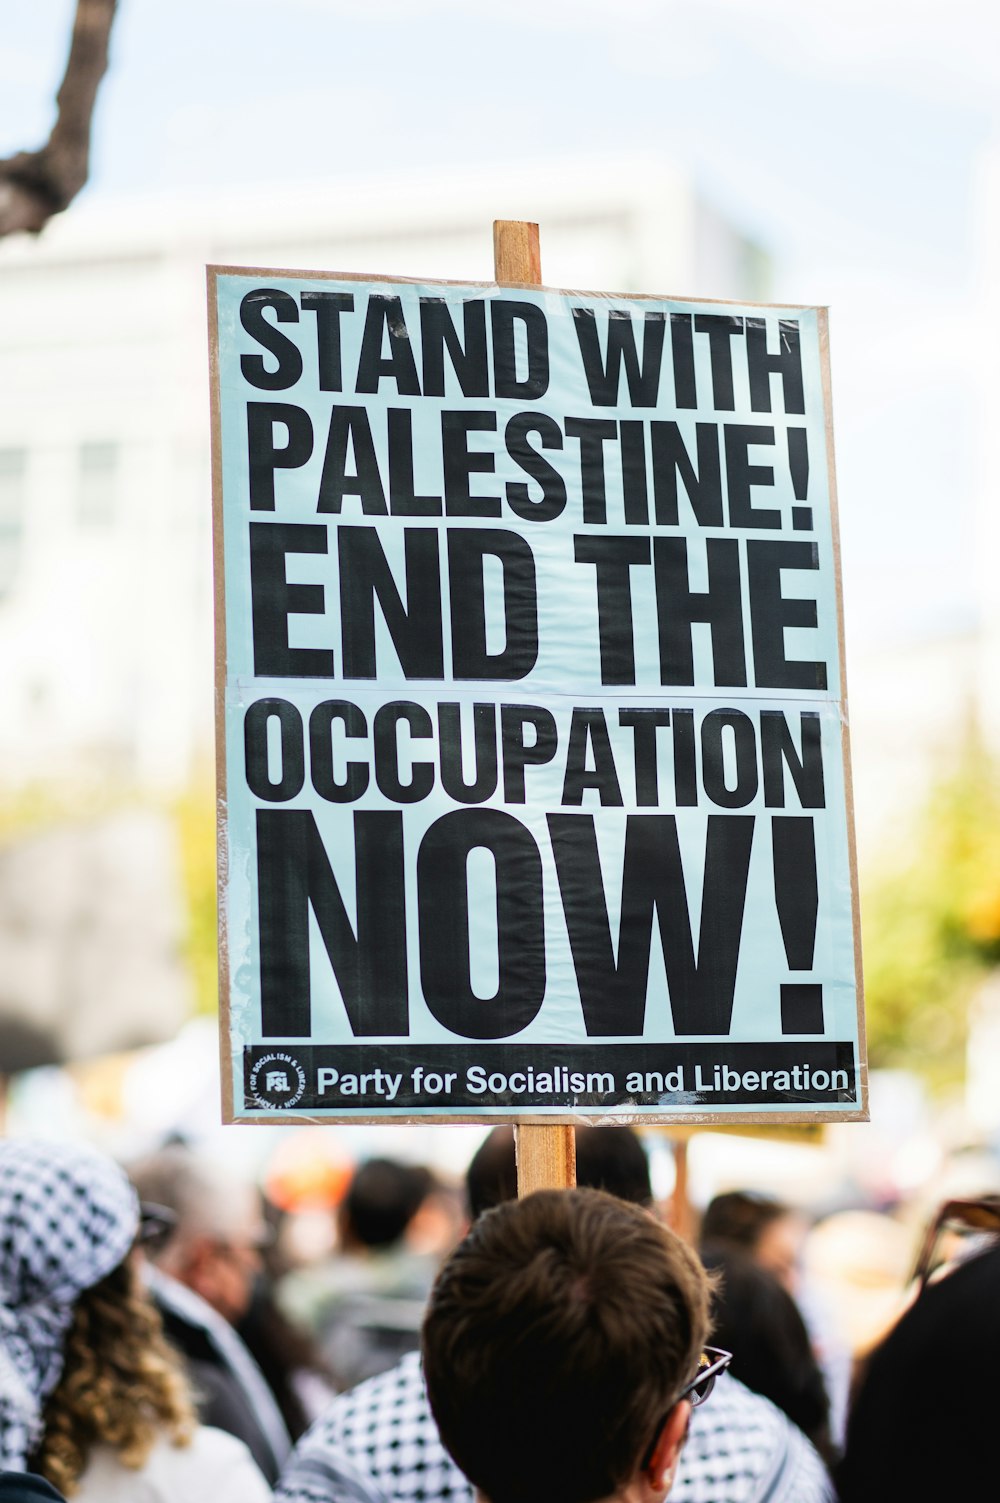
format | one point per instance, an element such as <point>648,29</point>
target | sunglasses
<point>157,1225</point>
<point>964,1218</point>
<point>711,1363</point>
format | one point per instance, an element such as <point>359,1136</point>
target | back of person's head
<point>766,1229</point>
<point>382,1199</point>
<point>755,1317</point>
<point>923,1423</point>
<point>491,1177</point>
<point>739,1217</point>
<point>613,1159</point>
<point>607,1158</point>
<point>557,1339</point>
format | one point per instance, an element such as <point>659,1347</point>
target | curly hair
<point>121,1385</point>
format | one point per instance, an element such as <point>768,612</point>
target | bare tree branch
<point>34,185</point>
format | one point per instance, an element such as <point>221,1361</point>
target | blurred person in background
<point>859,1262</point>
<point>365,1304</point>
<point>923,1421</point>
<point>202,1278</point>
<point>607,1158</point>
<point>756,1318</point>
<point>91,1396</point>
<point>768,1230</point>
<point>772,1234</point>
<point>289,1359</point>
<point>379,1443</point>
<point>219,1231</point>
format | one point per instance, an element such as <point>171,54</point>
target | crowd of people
<point>158,1341</point>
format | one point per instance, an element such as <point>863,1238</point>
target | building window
<point>98,485</point>
<point>13,471</point>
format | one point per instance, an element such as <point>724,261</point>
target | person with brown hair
<point>379,1443</point>
<point>120,1385</point>
<point>564,1347</point>
<point>90,1393</point>
<point>755,1316</point>
<point>764,1228</point>
<point>771,1234</point>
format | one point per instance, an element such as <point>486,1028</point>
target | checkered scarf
<point>68,1216</point>
<point>378,1443</point>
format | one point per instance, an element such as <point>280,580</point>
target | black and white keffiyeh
<point>68,1216</point>
<point>379,1444</point>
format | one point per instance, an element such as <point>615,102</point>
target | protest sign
<point>535,791</point>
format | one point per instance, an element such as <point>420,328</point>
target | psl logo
<point>277,1082</point>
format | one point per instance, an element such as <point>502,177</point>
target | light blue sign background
<point>567,672</point>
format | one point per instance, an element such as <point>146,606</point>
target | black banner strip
<point>371,1077</point>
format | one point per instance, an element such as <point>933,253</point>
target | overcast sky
<point>847,137</point>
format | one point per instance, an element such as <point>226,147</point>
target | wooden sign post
<point>546,1156</point>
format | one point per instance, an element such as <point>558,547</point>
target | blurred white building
<point>106,649</point>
